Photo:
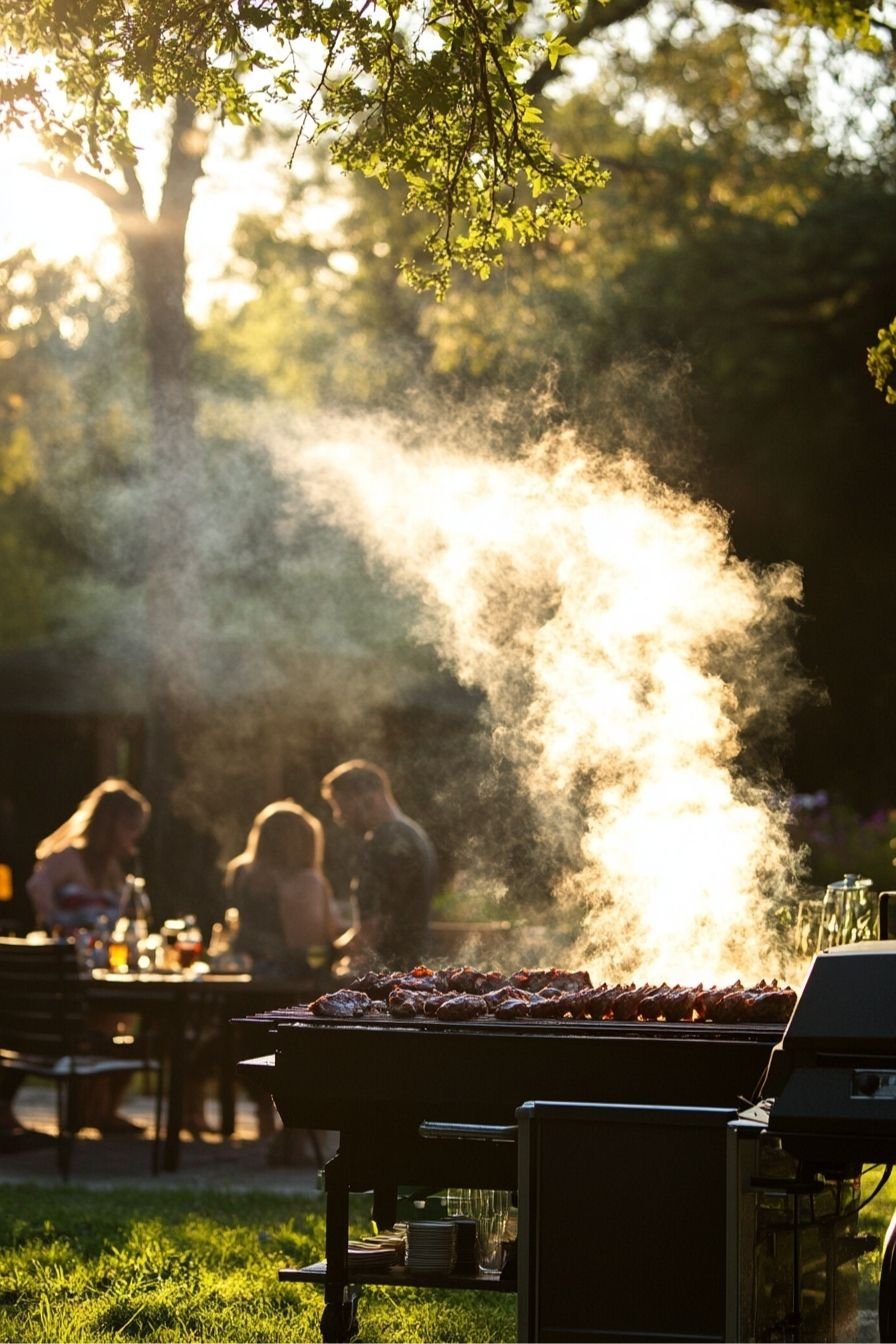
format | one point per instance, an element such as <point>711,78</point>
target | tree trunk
<point>176,624</point>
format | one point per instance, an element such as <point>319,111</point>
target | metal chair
<point>44,1032</point>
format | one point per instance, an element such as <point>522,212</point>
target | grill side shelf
<point>397,1276</point>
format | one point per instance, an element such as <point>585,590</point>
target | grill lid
<point>848,1003</point>
<point>832,1079</point>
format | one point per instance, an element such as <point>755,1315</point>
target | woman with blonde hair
<point>278,885</point>
<point>289,924</point>
<point>79,878</point>
<point>81,867</point>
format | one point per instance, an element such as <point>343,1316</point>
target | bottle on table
<point>135,905</point>
<point>223,955</point>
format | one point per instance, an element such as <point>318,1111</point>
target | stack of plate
<point>375,1252</point>
<point>431,1246</point>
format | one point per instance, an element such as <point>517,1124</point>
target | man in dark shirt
<point>395,886</point>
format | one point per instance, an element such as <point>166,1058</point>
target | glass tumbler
<point>491,1209</point>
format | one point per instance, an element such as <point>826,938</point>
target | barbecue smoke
<point>632,666</point>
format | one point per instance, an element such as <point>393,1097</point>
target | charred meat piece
<point>467,980</point>
<point>405,1002</point>
<point>530,979</point>
<point>546,1007</point>
<point>679,1003</point>
<point>760,1003</point>
<point>576,1003</point>
<point>497,996</point>
<point>653,1004</point>
<point>513,1008</point>
<point>460,1008</point>
<point>376,984</point>
<point>732,1007</point>
<point>768,1003</point>
<point>708,1000</point>
<point>341,1003</point>
<point>569,981</point>
<point>433,1002</point>
<point>601,1002</point>
<point>596,999</point>
<point>626,1004</point>
<point>421,984</point>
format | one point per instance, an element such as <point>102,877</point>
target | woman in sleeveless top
<point>79,876</point>
<point>289,922</point>
<point>81,867</point>
<point>278,885</point>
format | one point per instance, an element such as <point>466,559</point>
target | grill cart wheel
<point>339,1322</point>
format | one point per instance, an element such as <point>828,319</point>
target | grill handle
<point>442,1129</point>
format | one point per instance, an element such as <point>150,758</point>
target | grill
<point>736,1148</point>
<point>339,1075</point>
<point>425,1103</point>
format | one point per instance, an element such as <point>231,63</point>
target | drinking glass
<point>189,947</point>
<point>458,1203</point>
<point>490,1208</point>
<point>490,1237</point>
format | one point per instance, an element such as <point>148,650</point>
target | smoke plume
<point>635,672</point>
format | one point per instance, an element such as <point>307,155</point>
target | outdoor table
<point>173,1002</point>
<point>169,1001</point>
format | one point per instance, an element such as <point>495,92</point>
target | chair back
<point>42,999</point>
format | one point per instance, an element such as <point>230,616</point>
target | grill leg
<point>338,1324</point>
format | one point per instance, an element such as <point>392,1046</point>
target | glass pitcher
<point>848,912</point>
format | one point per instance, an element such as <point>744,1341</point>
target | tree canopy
<point>439,94</point>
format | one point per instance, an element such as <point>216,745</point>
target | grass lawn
<point>191,1265</point>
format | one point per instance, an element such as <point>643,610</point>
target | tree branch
<point>595,16</point>
<point>98,187</point>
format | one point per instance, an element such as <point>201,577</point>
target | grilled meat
<point>707,1001</point>
<point>625,1005</point>
<point>460,1007</point>
<point>341,1003</point>
<point>405,1002</point>
<point>467,980</point>
<point>495,997</point>
<point>653,1004</point>
<point>679,1004</point>
<point>512,1008</point>
<point>537,980</point>
<point>458,993</point>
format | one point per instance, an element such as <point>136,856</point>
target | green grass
<point>189,1265</point>
<point>176,1265</point>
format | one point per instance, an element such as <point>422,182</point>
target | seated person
<point>286,905</point>
<point>79,879</point>
<point>289,924</point>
